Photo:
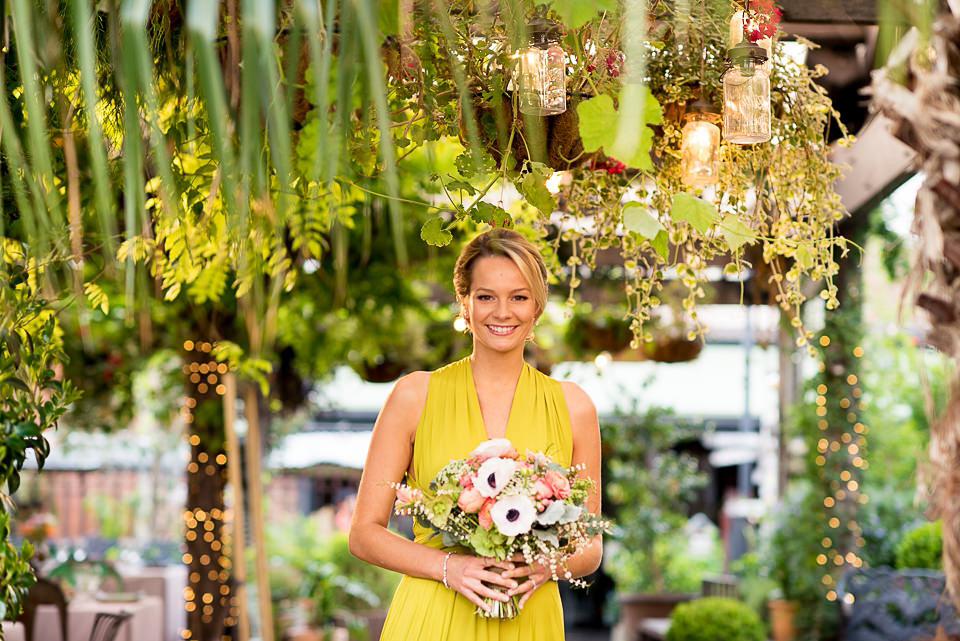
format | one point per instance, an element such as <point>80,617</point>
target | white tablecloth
<point>145,625</point>
<point>168,583</point>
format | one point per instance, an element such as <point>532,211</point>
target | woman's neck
<point>503,366</point>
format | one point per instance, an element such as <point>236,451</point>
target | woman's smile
<point>500,308</point>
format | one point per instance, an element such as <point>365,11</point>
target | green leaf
<point>632,138</point>
<point>637,218</point>
<point>576,13</point>
<point>661,245</point>
<point>434,234</point>
<point>484,212</point>
<point>693,210</point>
<point>596,117</point>
<point>461,185</point>
<point>804,257</point>
<point>388,17</point>
<point>12,381</point>
<point>533,186</point>
<point>736,233</point>
<point>623,135</point>
<point>97,297</point>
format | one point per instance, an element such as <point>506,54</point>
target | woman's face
<point>500,308</point>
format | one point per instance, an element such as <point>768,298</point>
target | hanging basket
<point>671,349</point>
<point>561,148</point>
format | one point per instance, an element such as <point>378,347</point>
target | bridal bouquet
<point>497,503</point>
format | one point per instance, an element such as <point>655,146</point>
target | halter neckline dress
<point>450,427</point>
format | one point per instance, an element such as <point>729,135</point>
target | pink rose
<point>484,516</point>
<point>558,483</point>
<point>407,494</point>
<point>471,500</point>
<point>543,489</point>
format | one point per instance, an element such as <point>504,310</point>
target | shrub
<point>922,547</point>
<point>715,619</point>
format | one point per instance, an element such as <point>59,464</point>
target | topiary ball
<point>715,619</point>
<point>922,547</point>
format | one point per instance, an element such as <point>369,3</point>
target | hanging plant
<point>627,96</point>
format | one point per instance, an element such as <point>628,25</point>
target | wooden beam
<point>873,166</point>
<point>845,12</point>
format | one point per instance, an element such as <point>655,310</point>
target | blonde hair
<point>512,245</point>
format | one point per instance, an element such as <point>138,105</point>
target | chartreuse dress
<point>450,427</point>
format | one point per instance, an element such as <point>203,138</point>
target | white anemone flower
<point>493,475</point>
<point>552,514</point>
<point>514,514</point>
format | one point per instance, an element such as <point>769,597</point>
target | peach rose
<point>471,500</point>
<point>558,483</point>
<point>484,516</point>
<point>543,489</point>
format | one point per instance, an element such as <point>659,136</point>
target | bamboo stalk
<point>83,42</point>
<point>258,534</point>
<point>235,476</point>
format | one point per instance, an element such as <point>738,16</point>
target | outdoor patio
<point>229,229</point>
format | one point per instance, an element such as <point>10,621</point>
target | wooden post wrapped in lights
<point>700,145</point>
<point>542,81</point>
<point>746,95</point>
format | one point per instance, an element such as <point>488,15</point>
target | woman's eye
<point>520,297</point>
<point>484,297</point>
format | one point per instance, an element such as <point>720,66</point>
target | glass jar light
<point>700,146</point>
<point>543,82</point>
<point>746,95</point>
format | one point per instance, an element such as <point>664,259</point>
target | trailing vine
<point>772,214</point>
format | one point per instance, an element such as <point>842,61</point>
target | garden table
<point>166,582</point>
<point>146,624</point>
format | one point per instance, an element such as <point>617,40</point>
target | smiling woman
<point>432,418</point>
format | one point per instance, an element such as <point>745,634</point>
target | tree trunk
<point>208,593</point>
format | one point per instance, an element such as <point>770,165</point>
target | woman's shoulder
<point>579,405</point>
<point>413,387</point>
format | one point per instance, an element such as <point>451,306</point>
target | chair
<point>43,592</point>
<point>107,624</point>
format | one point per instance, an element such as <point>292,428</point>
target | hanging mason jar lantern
<point>543,81</point>
<point>700,146</point>
<point>746,95</point>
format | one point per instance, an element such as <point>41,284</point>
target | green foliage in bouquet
<point>715,619</point>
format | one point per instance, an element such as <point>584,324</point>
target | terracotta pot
<point>782,613</point>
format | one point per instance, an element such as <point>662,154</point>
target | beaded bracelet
<point>445,559</point>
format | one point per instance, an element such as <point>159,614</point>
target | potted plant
<point>649,489</point>
<point>797,605</point>
<point>594,329</point>
<point>713,618</point>
<point>318,586</point>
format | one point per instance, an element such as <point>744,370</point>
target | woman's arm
<point>586,452</point>
<point>388,459</point>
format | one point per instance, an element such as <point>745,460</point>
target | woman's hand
<point>473,576</point>
<point>529,578</point>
